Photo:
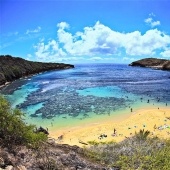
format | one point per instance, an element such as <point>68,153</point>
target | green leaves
<point>14,131</point>
<point>95,143</point>
<point>142,135</point>
<point>138,152</point>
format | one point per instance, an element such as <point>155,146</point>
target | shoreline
<point>147,119</point>
<point>27,77</point>
<point>4,85</point>
<point>14,68</point>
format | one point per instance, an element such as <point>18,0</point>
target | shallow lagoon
<point>88,94</point>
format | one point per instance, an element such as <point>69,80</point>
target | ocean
<point>88,94</point>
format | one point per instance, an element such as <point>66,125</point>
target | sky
<point>85,31</point>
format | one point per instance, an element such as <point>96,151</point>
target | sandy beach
<point>157,121</point>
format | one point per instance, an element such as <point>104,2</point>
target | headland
<point>13,68</point>
<point>155,63</point>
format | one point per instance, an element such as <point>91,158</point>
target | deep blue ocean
<point>88,92</point>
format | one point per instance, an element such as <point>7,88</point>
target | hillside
<point>25,147</point>
<point>12,68</point>
<point>152,63</point>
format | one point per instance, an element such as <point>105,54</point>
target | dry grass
<point>138,152</point>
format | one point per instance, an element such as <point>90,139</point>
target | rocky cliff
<point>12,68</point>
<point>50,156</point>
<point>152,63</point>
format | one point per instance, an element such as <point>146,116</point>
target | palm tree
<point>142,135</point>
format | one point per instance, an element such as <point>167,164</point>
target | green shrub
<point>14,131</point>
<point>138,152</point>
<point>142,134</point>
<point>95,143</point>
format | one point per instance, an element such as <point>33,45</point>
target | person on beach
<point>155,127</point>
<point>115,132</point>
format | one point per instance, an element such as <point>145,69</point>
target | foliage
<point>142,135</point>
<point>95,143</point>
<point>138,152</point>
<point>156,159</point>
<point>14,131</point>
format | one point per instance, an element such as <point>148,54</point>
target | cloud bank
<point>100,40</point>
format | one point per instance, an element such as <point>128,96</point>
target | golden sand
<point>142,119</point>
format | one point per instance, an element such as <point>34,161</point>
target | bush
<point>95,143</point>
<point>14,131</point>
<point>142,135</point>
<point>138,152</point>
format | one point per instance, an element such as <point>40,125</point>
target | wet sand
<point>148,119</point>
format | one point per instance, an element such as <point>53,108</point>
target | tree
<point>14,131</point>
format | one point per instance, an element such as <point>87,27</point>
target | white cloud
<point>63,25</point>
<point>166,53</point>
<point>137,44</point>
<point>96,58</point>
<point>94,40</point>
<point>128,59</point>
<point>155,23</point>
<point>34,31</point>
<point>9,34</point>
<point>50,52</point>
<point>148,20</point>
<point>5,45</point>
<point>103,41</point>
<point>151,22</point>
<point>41,39</point>
<point>29,56</point>
<point>152,14</point>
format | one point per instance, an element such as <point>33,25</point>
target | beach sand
<point>142,119</point>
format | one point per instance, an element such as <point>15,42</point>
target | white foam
<point>45,82</point>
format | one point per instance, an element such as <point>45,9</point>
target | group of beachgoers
<point>148,101</point>
<point>160,128</point>
<point>163,127</point>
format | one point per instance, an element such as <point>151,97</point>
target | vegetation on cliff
<point>12,68</point>
<point>13,131</point>
<point>21,147</point>
<point>138,152</point>
<point>152,63</point>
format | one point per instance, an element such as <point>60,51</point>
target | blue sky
<point>78,31</point>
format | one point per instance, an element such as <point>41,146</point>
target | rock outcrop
<point>166,65</point>
<point>152,63</point>
<point>12,68</point>
<point>50,156</point>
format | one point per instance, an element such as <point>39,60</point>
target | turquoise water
<point>109,91</point>
<point>88,94</point>
<point>19,96</point>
